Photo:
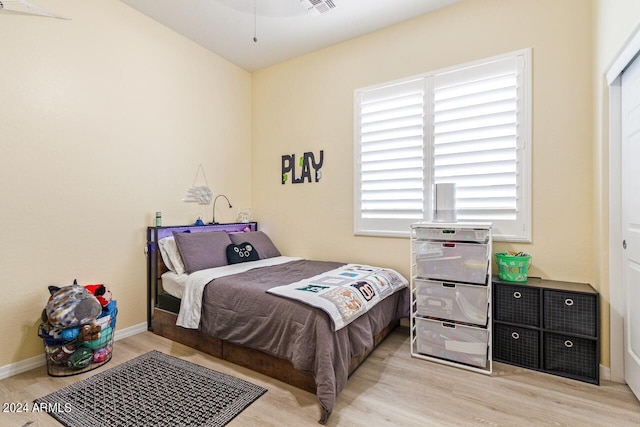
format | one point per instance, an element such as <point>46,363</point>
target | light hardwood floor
<point>389,389</point>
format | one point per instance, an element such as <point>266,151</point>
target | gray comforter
<point>237,308</point>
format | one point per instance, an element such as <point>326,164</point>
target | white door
<point>630,172</point>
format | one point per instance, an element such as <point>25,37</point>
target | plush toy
<point>51,336</point>
<point>101,293</point>
<point>56,333</point>
<point>69,334</point>
<point>89,332</point>
<point>71,306</point>
<point>105,339</point>
<point>81,358</point>
<point>60,354</point>
<point>110,310</point>
<point>102,354</point>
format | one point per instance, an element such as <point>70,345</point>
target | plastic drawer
<point>455,342</point>
<point>453,234</point>
<point>462,262</point>
<point>452,301</point>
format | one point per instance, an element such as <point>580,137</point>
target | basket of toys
<point>78,324</point>
<point>512,266</point>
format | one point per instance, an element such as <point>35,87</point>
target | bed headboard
<point>155,264</point>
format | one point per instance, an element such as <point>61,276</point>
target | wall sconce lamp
<point>214,207</point>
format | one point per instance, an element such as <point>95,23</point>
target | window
<point>468,125</point>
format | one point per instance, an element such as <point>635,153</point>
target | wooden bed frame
<point>162,316</point>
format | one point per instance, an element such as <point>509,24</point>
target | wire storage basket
<point>79,349</point>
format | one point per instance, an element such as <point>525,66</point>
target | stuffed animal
<point>101,293</point>
<point>102,354</point>
<point>51,336</point>
<point>110,310</point>
<point>70,333</point>
<point>105,338</point>
<point>56,334</point>
<point>89,332</point>
<point>81,358</point>
<point>71,306</point>
<point>60,354</point>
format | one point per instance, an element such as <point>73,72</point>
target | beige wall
<point>103,121</point>
<point>306,104</point>
<point>614,22</point>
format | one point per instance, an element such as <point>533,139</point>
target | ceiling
<point>283,29</point>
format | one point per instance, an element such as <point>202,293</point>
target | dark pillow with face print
<point>242,253</point>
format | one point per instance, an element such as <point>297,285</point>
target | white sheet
<point>191,305</point>
<point>174,283</point>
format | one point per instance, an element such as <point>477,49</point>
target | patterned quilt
<point>346,292</point>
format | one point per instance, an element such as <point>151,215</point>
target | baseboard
<point>130,331</point>
<point>605,373</point>
<point>37,361</point>
<point>21,366</point>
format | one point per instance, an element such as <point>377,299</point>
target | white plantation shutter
<point>389,152</point>
<point>478,141</point>
<point>472,128</point>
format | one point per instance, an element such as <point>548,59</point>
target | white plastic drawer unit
<point>453,234</point>
<point>452,301</point>
<point>459,343</point>
<point>461,262</point>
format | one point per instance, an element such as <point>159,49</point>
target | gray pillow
<point>262,243</point>
<point>202,250</point>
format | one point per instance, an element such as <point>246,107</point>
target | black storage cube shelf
<point>549,326</point>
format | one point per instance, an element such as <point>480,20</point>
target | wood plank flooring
<point>389,389</point>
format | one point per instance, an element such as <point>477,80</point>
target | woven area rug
<point>154,389</point>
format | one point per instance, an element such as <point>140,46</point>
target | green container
<point>513,268</point>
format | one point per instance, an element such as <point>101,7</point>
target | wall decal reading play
<point>305,164</point>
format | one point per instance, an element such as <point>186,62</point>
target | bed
<point>230,311</point>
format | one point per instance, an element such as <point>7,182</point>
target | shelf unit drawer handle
<point>568,344</point>
<point>517,295</point>
<point>515,335</point>
<point>568,302</point>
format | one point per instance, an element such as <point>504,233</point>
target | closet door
<point>631,222</point>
